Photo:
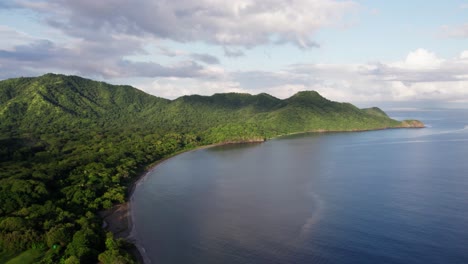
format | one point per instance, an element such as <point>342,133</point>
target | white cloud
<point>172,88</point>
<point>420,59</point>
<point>241,23</point>
<point>372,82</point>
<point>421,76</point>
<point>114,38</point>
<point>464,55</point>
<point>407,80</point>
<point>103,36</point>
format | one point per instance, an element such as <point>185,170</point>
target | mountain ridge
<point>55,98</point>
<point>71,147</point>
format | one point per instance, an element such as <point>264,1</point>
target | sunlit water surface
<point>392,196</point>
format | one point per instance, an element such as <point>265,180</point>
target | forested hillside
<point>70,147</point>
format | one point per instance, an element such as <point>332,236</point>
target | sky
<point>396,53</point>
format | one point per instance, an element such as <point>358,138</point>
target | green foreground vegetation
<point>27,257</point>
<point>70,147</point>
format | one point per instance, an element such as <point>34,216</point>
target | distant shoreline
<point>119,219</point>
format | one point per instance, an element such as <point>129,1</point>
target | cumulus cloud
<point>422,66</point>
<point>421,76</point>
<point>400,81</point>
<point>103,38</point>
<point>420,59</point>
<point>117,39</point>
<point>236,23</point>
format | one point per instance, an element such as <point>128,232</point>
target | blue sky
<point>399,52</point>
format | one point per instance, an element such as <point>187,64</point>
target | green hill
<point>375,111</point>
<point>70,147</point>
<point>57,103</point>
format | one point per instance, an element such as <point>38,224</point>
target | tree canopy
<point>70,147</point>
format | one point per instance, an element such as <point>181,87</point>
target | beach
<point>118,220</point>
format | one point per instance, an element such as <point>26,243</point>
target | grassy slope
<point>27,257</point>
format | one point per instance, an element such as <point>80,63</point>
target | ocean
<point>389,196</point>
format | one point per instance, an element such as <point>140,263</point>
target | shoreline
<point>119,218</point>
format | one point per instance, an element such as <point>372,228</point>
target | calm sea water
<point>392,196</point>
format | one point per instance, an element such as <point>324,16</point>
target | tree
<point>59,235</point>
<point>115,251</point>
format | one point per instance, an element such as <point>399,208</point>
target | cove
<point>390,196</point>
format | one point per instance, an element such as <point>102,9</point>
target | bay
<point>389,196</point>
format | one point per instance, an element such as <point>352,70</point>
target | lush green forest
<point>70,147</point>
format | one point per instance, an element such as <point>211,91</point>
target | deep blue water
<point>392,196</point>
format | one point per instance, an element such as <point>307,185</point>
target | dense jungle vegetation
<point>70,147</point>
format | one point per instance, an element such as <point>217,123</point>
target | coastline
<point>119,218</point>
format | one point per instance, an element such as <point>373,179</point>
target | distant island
<point>71,147</point>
